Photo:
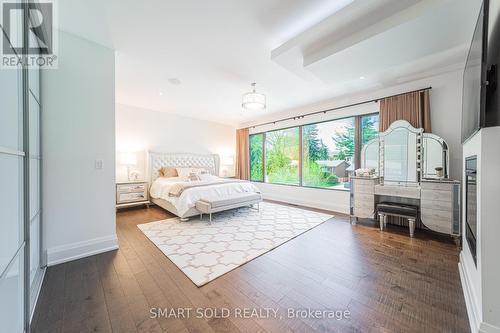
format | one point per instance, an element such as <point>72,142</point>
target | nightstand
<point>132,193</point>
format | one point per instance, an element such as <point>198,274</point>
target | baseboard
<point>69,252</point>
<point>470,299</point>
<point>309,204</point>
<point>487,328</point>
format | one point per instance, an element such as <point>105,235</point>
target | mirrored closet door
<point>12,203</point>
<point>36,263</point>
<point>21,264</point>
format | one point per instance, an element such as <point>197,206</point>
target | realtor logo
<point>41,48</point>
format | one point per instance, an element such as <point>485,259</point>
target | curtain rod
<point>333,109</point>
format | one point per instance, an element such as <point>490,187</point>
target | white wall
<point>78,128</point>
<point>446,110</point>
<point>480,284</point>
<point>139,130</point>
<point>490,228</point>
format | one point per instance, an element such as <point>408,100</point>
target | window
<point>369,128</point>
<point>257,157</point>
<point>330,152</point>
<point>282,156</point>
<point>369,131</point>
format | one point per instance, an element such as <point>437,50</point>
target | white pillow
<point>193,176</point>
<point>199,171</point>
<point>184,173</point>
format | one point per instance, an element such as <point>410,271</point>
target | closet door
<point>12,238</point>
<point>12,291</point>
<point>35,269</point>
<point>20,204</point>
<point>33,159</point>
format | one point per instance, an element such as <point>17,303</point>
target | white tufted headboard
<point>158,160</point>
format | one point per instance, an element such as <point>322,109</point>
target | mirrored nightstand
<point>132,193</point>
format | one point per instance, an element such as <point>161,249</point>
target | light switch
<point>98,164</point>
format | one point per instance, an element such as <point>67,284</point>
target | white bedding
<point>161,188</point>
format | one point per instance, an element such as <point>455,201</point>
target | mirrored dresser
<point>411,170</point>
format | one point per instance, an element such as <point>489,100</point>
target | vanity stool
<point>409,212</point>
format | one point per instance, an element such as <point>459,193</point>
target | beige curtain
<point>242,151</point>
<point>413,107</point>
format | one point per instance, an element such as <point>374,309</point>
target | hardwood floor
<point>387,281</point>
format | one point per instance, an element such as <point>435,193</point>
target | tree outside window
<point>282,156</point>
<point>256,157</point>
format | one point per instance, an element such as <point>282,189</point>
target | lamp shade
<point>227,160</point>
<point>253,100</point>
<point>128,159</point>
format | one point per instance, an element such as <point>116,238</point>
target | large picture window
<point>329,155</point>
<point>282,156</point>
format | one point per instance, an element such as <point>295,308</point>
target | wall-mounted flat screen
<point>473,94</point>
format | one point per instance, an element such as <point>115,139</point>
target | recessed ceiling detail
<point>303,52</point>
<point>387,37</point>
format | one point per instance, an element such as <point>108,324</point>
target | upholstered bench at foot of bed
<point>209,206</point>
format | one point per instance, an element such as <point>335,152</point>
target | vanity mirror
<point>400,154</point>
<point>370,155</point>
<point>405,155</point>
<point>435,157</point>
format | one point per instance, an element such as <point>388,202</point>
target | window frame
<point>357,149</point>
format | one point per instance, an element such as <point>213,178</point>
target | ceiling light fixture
<point>361,77</point>
<point>253,100</point>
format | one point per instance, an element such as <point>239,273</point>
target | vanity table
<point>411,170</point>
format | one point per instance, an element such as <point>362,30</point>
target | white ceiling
<point>298,51</point>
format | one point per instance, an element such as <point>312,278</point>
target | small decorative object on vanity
<point>439,172</point>
<point>132,193</point>
<point>365,172</point>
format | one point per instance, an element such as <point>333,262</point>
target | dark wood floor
<point>387,281</point>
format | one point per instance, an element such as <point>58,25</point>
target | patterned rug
<point>204,252</point>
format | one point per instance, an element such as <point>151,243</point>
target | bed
<point>187,193</point>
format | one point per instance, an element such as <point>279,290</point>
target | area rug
<point>206,251</point>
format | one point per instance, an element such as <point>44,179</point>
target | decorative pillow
<point>199,171</point>
<point>168,172</point>
<point>193,176</point>
<point>185,173</point>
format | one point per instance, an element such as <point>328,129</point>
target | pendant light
<point>253,100</point>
